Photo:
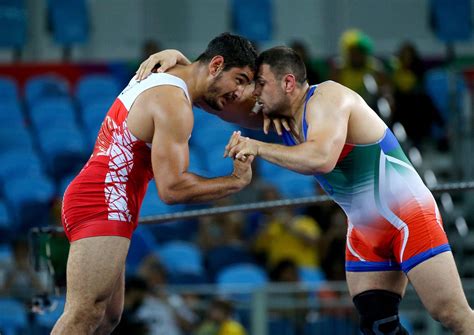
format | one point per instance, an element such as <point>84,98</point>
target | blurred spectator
<point>285,271</point>
<point>220,230</point>
<point>285,236</point>
<point>150,47</point>
<point>219,320</point>
<point>301,49</point>
<point>135,294</point>
<point>358,69</point>
<point>333,245</point>
<point>21,281</point>
<point>414,109</point>
<point>162,312</point>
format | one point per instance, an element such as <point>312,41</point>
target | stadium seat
<point>142,244</point>
<point>224,256</point>
<point>289,183</point>
<point>18,163</point>
<point>15,138</point>
<point>332,325</point>
<point>30,198</point>
<point>13,24</point>
<point>238,280</point>
<point>69,20</point>
<point>13,318</point>
<point>181,257</point>
<point>311,276</point>
<point>92,117</point>
<point>11,114</point>
<point>178,278</point>
<point>50,113</point>
<point>253,19</point>
<point>440,85</point>
<point>6,225</point>
<point>47,320</point>
<point>6,256</point>
<point>153,205</point>
<point>8,88</point>
<point>64,149</point>
<point>45,86</point>
<point>280,326</point>
<point>91,88</point>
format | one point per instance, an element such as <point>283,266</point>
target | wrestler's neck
<point>297,102</point>
<point>194,76</point>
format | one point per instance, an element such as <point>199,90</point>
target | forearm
<point>194,189</point>
<point>301,158</point>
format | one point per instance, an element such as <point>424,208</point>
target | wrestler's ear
<point>289,82</point>
<point>216,65</point>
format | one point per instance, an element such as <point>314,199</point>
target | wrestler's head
<point>279,71</point>
<point>230,60</point>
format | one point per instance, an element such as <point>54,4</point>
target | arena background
<point>62,64</point>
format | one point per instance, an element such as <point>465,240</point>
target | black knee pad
<point>378,311</point>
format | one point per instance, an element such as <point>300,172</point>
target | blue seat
<point>153,205</point>
<point>184,278</point>
<point>64,183</point>
<point>19,162</point>
<point>181,257</point>
<point>11,114</point>
<point>333,326</point>
<point>6,255</point>
<point>92,117</point>
<point>221,257</point>
<point>311,276</point>
<point>47,320</point>
<point>253,19</point>
<point>451,19</point>
<point>12,23</point>
<point>8,88</point>
<point>6,227</point>
<point>95,87</point>
<point>216,164</point>
<point>440,85</point>
<point>56,112</point>
<point>289,183</point>
<point>15,138</point>
<point>240,277</point>
<point>212,131</point>
<point>142,244</point>
<point>280,326</point>
<point>45,86</point>
<point>30,198</point>
<point>13,317</point>
<point>70,21</point>
<point>64,149</point>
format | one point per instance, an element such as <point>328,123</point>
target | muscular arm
<point>327,116</point>
<point>170,156</point>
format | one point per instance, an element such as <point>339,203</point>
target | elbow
<point>170,197</point>
<point>322,166</point>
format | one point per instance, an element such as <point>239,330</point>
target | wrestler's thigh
<point>95,265</point>
<point>393,281</point>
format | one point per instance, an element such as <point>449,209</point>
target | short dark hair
<point>236,50</point>
<point>283,60</point>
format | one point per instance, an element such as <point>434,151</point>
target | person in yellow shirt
<point>220,320</point>
<point>289,237</point>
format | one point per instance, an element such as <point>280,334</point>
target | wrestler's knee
<point>90,313</point>
<point>378,311</point>
<point>112,318</point>
<point>450,313</point>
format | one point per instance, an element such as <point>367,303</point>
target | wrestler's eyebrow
<point>245,76</point>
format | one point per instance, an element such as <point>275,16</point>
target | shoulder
<point>332,94</point>
<point>168,102</point>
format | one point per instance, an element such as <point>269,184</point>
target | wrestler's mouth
<point>228,98</point>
